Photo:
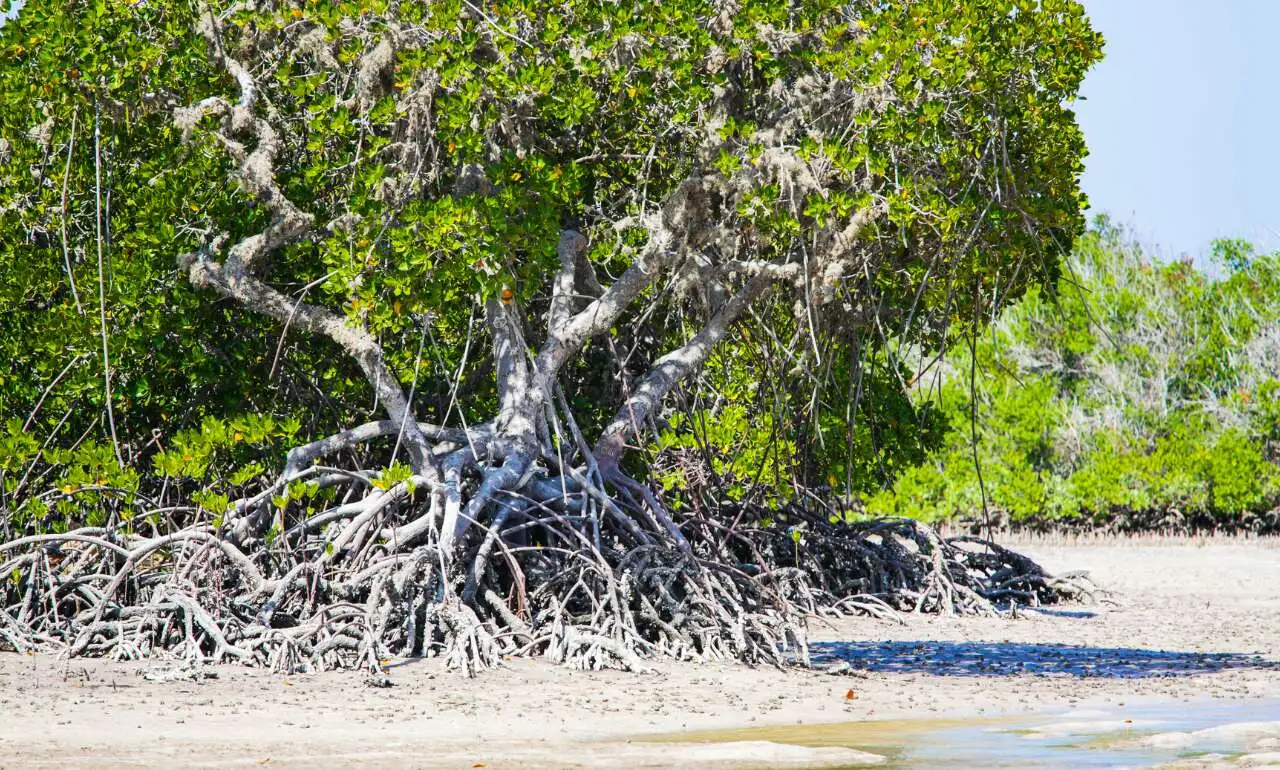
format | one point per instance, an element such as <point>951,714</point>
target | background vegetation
<point>1131,394</point>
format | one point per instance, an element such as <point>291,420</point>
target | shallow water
<point>1204,733</point>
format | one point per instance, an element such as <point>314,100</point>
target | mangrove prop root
<point>585,576</point>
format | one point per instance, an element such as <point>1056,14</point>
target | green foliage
<point>745,455</point>
<point>221,447</point>
<point>1134,394</point>
<point>393,474</point>
<point>867,428</point>
<point>54,489</point>
<point>49,488</point>
<point>77,127</point>
<point>757,432</point>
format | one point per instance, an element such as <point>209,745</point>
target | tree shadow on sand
<point>1016,659</point>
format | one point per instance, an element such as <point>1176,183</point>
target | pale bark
<point>300,457</point>
<point>674,367</point>
<point>232,280</point>
<point>570,250</point>
<point>519,402</point>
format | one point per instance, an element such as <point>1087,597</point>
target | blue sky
<point>1182,121</point>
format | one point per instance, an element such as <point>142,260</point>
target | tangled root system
<point>602,583</point>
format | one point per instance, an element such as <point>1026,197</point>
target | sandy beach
<point>1187,620</point>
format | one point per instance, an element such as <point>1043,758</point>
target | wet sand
<point>1191,620</point>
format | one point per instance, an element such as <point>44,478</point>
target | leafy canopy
<point>441,148</point>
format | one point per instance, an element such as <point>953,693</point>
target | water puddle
<point>1194,734</point>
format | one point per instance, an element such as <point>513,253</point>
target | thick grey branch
<point>670,230</point>
<point>519,401</point>
<point>232,280</point>
<point>290,224</point>
<point>595,318</point>
<point>301,457</point>
<point>514,471</point>
<point>570,250</point>
<point>680,363</point>
<point>674,367</point>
